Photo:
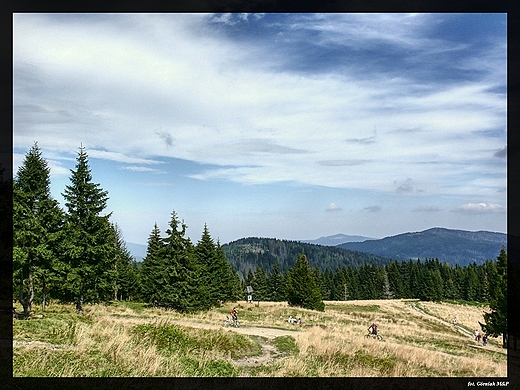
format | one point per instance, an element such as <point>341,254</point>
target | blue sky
<point>293,126</point>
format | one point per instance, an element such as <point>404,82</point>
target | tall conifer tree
<point>153,270</point>
<point>230,286</point>
<point>86,237</point>
<point>302,288</point>
<point>184,289</point>
<point>496,320</point>
<point>275,283</point>
<point>36,220</point>
<point>121,274</point>
<point>210,268</point>
<point>259,284</point>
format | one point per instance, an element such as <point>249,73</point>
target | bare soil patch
<point>269,333</point>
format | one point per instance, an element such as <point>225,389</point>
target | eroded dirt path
<point>269,351</point>
<point>269,333</point>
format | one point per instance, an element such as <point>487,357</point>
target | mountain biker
<point>234,314</point>
<point>374,329</point>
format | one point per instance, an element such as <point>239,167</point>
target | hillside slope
<point>453,246</point>
<point>248,253</point>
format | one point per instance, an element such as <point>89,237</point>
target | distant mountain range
<point>138,251</point>
<point>337,239</point>
<point>452,246</point>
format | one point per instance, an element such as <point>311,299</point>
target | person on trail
<point>477,334</point>
<point>454,320</point>
<point>484,339</point>
<point>234,314</point>
<point>299,322</point>
<point>374,328</point>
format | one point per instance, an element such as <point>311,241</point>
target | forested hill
<point>450,246</point>
<point>248,253</point>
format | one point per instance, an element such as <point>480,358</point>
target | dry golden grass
<point>329,344</point>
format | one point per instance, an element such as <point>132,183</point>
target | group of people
<point>479,337</point>
<point>293,320</point>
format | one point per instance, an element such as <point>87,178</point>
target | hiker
<point>476,335</point>
<point>454,320</point>
<point>299,322</point>
<point>374,328</point>
<point>484,339</point>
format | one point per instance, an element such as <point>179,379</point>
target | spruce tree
<point>36,221</point>
<point>185,290</point>
<point>430,285</point>
<point>230,287</point>
<point>496,320</point>
<point>122,273</point>
<point>211,272</point>
<point>302,289</point>
<point>259,284</point>
<point>6,241</point>
<point>387,290</point>
<point>275,284</point>
<point>471,283</point>
<point>87,246</point>
<point>153,270</point>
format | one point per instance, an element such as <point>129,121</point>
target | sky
<point>294,126</point>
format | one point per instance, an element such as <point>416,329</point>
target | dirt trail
<point>269,351</point>
<point>269,333</point>
<point>458,328</point>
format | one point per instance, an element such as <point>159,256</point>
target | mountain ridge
<point>464,246</point>
<point>246,254</point>
<point>450,245</point>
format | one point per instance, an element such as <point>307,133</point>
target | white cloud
<point>480,208</point>
<point>333,207</point>
<point>141,87</point>
<point>119,157</point>
<point>142,169</point>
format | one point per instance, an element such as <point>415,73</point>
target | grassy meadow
<point>132,340</point>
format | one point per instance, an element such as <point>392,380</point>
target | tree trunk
<point>27,302</point>
<point>44,303</point>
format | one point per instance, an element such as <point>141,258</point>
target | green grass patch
<point>348,308</point>
<point>286,344</point>
<point>174,338</point>
<point>465,303</point>
<point>55,327</point>
<point>383,365</point>
<point>346,362</point>
<point>56,363</point>
<point>138,307</point>
<point>196,367</point>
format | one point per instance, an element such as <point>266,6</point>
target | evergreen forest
<point>77,254</point>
